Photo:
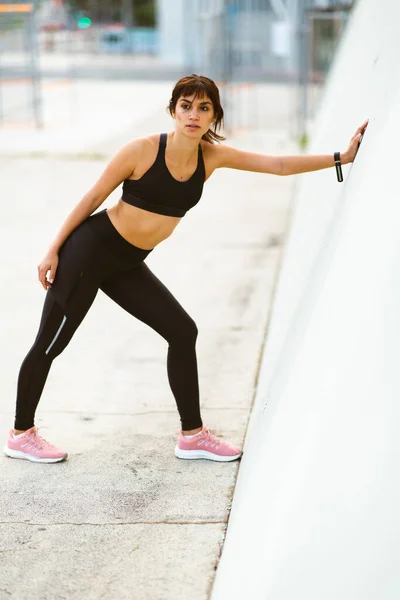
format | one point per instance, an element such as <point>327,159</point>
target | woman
<point>163,177</point>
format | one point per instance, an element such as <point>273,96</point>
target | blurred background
<point>244,45</point>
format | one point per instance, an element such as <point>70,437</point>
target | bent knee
<point>185,332</point>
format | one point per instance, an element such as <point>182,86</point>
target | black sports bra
<point>158,192</point>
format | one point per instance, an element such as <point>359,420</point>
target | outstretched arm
<point>120,167</point>
<point>286,165</point>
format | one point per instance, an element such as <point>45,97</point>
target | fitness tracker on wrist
<point>338,165</point>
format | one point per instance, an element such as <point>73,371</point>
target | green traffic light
<point>84,22</point>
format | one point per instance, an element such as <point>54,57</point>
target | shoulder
<point>209,149</point>
<point>216,155</point>
<point>129,157</point>
<point>142,145</point>
<point>135,152</point>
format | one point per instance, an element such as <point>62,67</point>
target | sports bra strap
<point>200,161</point>
<point>161,147</point>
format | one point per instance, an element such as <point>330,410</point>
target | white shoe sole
<point>25,456</point>
<point>193,454</point>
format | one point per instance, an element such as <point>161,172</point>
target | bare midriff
<point>140,227</point>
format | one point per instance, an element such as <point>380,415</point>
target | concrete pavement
<point>123,518</point>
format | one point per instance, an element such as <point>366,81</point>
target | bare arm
<point>226,156</point>
<point>119,168</point>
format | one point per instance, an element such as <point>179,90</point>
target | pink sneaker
<point>31,446</point>
<point>206,445</point>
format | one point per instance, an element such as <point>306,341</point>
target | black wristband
<point>338,165</point>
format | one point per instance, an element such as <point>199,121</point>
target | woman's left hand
<point>351,151</point>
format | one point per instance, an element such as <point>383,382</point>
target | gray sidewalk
<point>123,518</point>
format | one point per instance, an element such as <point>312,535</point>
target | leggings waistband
<point>101,225</point>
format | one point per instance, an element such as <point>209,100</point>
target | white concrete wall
<point>316,508</point>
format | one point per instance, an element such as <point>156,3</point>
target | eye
<point>184,106</point>
<point>205,108</point>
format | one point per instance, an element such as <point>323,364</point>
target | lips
<point>193,126</point>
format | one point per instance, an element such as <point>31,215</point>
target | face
<point>194,115</point>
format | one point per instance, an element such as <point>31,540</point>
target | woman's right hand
<point>49,263</point>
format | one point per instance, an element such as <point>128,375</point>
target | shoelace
<point>210,439</point>
<point>36,441</point>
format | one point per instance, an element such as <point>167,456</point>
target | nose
<point>193,114</point>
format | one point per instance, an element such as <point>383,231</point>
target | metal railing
<point>249,42</point>
<point>20,97</point>
<point>242,44</point>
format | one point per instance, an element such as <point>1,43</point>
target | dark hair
<point>200,86</point>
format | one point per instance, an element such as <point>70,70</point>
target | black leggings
<point>95,256</point>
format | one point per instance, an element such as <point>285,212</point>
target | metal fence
<point>64,37</point>
<point>20,98</point>
<point>249,42</point>
<point>242,44</point>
